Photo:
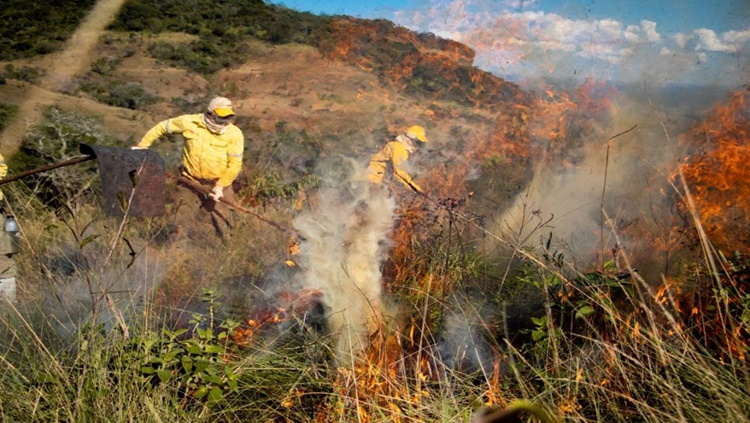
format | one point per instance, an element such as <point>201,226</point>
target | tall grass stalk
<point>609,349</point>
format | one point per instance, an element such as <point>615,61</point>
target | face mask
<point>221,120</point>
<point>216,123</point>
<point>407,142</point>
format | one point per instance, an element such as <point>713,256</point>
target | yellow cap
<point>222,106</point>
<point>417,132</point>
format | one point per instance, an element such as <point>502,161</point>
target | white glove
<point>135,147</point>
<point>216,193</point>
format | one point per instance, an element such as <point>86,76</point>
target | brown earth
<point>293,84</point>
<point>343,108</point>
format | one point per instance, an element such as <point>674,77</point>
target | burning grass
<point>715,168</point>
<point>132,326</point>
<point>602,347</point>
<point>121,324</point>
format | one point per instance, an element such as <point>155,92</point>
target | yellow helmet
<point>417,132</point>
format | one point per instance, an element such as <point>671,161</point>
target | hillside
<point>584,249</point>
<point>351,85</point>
<point>310,90</point>
<point>341,89</point>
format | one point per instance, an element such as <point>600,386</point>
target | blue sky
<point>659,42</point>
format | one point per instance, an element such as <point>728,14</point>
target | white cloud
<point>596,49</point>
<point>608,29</point>
<point>736,37</point>
<point>709,41</point>
<point>682,39</point>
<point>644,33</point>
<point>649,28</point>
<point>556,45</point>
<point>517,39</point>
<point>520,4</point>
<point>631,34</point>
<point>544,31</point>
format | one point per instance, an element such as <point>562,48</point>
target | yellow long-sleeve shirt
<point>205,154</point>
<point>3,171</point>
<point>390,160</point>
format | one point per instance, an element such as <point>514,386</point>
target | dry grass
<point>646,365</point>
<point>640,355</point>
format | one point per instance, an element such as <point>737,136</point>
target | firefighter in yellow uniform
<point>8,248</point>
<point>389,162</point>
<point>3,172</point>
<point>211,155</point>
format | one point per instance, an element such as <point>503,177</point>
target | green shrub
<point>221,28</point>
<point>229,21</point>
<point>38,27</point>
<point>129,95</point>
<point>105,65</point>
<point>58,137</point>
<point>200,56</point>
<point>7,111</point>
<point>268,186</point>
<point>24,73</point>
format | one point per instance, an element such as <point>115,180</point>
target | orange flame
<point>716,172</point>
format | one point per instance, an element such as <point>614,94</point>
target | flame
<point>716,172</point>
<point>288,303</point>
<point>376,381</point>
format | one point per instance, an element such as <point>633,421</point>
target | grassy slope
<point>297,108</point>
<point>295,105</point>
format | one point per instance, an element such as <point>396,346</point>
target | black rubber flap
<point>133,181</point>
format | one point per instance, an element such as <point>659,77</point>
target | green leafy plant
<point>195,366</point>
<point>269,185</point>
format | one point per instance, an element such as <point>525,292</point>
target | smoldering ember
<point>238,211</point>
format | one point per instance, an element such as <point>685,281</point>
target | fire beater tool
<point>205,191</point>
<point>121,170</point>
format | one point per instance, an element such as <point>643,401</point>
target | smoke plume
<point>344,241</point>
<point>620,171</point>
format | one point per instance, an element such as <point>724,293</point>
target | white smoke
<point>622,176</point>
<point>89,292</point>
<point>345,238</point>
<point>463,346</point>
